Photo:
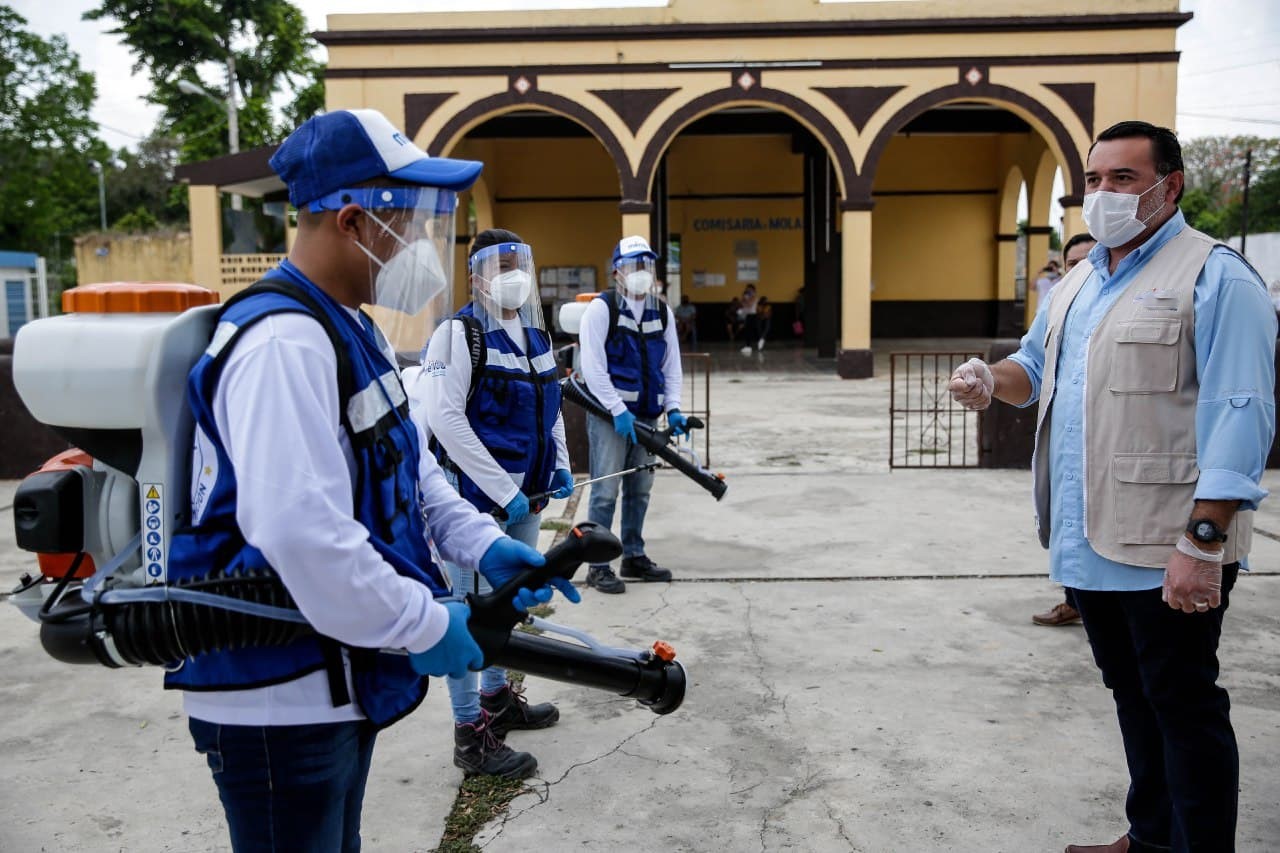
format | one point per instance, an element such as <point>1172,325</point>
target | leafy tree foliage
<point>48,190</point>
<point>258,48</point>
<point>1214,198</point>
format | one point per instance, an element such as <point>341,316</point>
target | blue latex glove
<point>676,421</point>
<point>456,653</point>
<point>625,426</point>
<point>517,509</point>
<point>507,558</point>
<point>562,483</point>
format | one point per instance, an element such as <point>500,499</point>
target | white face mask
<point>1112,218</point>
<point>510,289</point>
<point>413,276</point>
<point>638,283</point>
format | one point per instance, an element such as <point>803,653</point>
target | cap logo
<point>400,140</point>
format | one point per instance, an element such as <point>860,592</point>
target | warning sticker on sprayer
<point>153,530</point>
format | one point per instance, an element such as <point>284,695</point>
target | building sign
<point>748,223</point>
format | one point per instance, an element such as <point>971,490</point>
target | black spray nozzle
<point>493,615</point>
<point>654,678</point>
<point>657,442</point>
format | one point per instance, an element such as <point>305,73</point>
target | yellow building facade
<point>870,153</point>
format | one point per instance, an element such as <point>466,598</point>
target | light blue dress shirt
<point>1235,335</point>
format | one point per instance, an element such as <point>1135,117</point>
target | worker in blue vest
<point>630,361</point>
<point>308,467</point>
<point>489,396</point>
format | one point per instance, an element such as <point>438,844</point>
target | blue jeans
<point>611,453</point>
<point>289,788</point>
<point>1161,666</point>
<point>464,693</point>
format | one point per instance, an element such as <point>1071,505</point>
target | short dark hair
<point>1166,151</point>
<point>1076,241</point>
<point>492,237</point>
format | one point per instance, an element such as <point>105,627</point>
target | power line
<point>1232,118</point>
<point>119,131</point>
<point>1232,67</point>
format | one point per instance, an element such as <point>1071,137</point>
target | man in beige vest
<point>1153,367</point>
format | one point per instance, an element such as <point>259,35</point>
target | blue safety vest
<point>634,352</point>
<point>512,407</point>
<point>374,412</point>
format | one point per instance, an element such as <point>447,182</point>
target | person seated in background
<point>733,319</point>
<point>687,321</point>
<point>764,320</point>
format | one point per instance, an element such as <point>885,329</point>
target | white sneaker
<point>745,350</point>
<point>760,344</point>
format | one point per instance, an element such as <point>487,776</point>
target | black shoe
<point>603,579</point>
<point>509,710</point>
<point>641,568</point>
<point>480,752</point>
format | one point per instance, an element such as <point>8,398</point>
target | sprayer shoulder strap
<point>284,287</point>
<point>611,298</point>
<point>476,348</point>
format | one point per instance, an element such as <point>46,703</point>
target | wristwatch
<point>1204,530</point>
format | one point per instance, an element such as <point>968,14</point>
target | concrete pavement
<point>864,676</point>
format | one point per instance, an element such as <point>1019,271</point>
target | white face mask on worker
<point>511,289</point>
<point>411,278</point>
<point>639,283</point>
<point>1112,218</point>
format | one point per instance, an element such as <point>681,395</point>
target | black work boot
<point>603,579</point>
<point>641,568</point>
<point>481,752</point>
<point>509,710</point>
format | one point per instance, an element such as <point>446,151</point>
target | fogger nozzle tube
<point>163,633</point>
<point>653,682</point>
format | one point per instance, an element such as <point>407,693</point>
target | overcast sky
<point>1228,79</point>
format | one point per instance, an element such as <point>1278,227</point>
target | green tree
<point>259,48</point>
<point>48,190</point>
<point>1215,171</point>
<point>143,179</point>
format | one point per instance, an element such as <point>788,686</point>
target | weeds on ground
<point>556,524</point>
<point>480,800</point>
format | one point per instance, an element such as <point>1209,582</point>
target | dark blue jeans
<point>1161,666</point>
<point>289,788</point>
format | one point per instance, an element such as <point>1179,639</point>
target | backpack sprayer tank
<point>109,376</point>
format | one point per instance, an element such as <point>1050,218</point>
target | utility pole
<point>233,119</point>
<point>1244,202</point>
<point>102,193</point>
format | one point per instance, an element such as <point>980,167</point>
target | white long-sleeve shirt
<point>438,401</point>
<point>276,408</point>
<point>595,365</point>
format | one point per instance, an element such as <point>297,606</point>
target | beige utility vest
<point>1140,399</point>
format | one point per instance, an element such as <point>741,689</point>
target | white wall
<point>1263,251</point>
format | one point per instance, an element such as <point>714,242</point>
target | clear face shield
<point>635,279</point>
<point>410,259</point>
<point>504,286</point>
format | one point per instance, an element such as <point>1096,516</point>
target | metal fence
<point>927,429</point>
<point>696,396</point>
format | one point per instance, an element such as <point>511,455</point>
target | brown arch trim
<point>960,91</point>
<point>548,101</point>
<point>711,101</point>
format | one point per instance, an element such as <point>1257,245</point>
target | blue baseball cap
<point>633,247</point>
<point>343,148</point>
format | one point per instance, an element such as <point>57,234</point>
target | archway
<point>944,248</point>
<point>548,177</point>
<point>735,202</point>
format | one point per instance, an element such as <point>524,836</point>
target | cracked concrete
<point>833,705</point>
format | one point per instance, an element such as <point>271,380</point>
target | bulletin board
<point>562,284</point>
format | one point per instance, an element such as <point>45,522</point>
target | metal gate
<point>927,429</point>
<point>696,397</point>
